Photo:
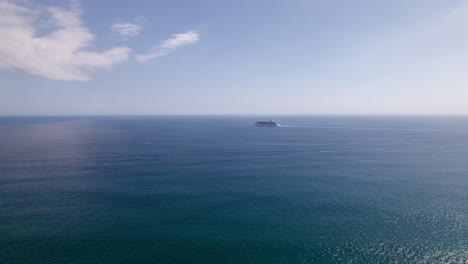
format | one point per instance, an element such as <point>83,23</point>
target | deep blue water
<point>220,190</point>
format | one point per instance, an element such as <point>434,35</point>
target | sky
<point>158,57</point>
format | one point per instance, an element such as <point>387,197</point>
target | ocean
<point>217,189</point>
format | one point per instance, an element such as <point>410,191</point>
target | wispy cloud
<point>127,30</point>
<point>61,54</point>
<point>167,46</point>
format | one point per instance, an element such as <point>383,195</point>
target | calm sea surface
<point>220,190</point>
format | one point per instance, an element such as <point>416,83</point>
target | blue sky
<point>233,57</point>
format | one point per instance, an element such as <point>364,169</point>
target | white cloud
<point>127,30</point>
<point>165,47</point>
<point>61,54</point>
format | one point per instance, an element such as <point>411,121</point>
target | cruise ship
<point>267,123</point>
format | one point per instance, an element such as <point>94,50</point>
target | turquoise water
<point>220,190</point>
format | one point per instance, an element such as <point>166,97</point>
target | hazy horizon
<point>265,116</point>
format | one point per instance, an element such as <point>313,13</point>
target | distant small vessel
<point>267,123</point>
